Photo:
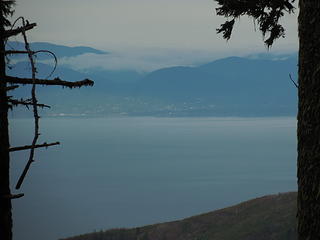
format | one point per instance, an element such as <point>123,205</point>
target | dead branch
<point>293,81</point>
<point>9,88</point>
<point>14,196</point>
<point>18,30</point>
<point>34,81</point>
<point>54,57</point>
<point>11,52</point>
<point>55,82</point>
<point>16,102</point>
<point>34,103</point>
<point>14,149</point>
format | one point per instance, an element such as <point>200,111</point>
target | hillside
<point>267,218</point>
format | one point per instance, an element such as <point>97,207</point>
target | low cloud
<point>138,60</point>
<point>146,60</point>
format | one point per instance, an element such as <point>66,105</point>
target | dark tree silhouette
<point>267,14</point>
<point>9,83</point>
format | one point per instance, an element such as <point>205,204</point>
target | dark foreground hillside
<point>267,218</point>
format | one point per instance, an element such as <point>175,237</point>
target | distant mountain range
<point>233,85</point>
<point>59,50</point>
<point>269,217</point>
<point>254,86</point>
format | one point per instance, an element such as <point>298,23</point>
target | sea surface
<point>133,171</point>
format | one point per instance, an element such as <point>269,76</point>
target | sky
<point>146,34</point>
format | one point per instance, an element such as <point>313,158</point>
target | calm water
<point>122,172</point>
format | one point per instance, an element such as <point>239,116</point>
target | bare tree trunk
<point>5,200</point>
<point>309,121</point>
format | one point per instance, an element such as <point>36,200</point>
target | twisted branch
<point>11,52</point>
<point>54,57</point>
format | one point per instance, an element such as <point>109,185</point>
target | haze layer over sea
<point>133,171</point>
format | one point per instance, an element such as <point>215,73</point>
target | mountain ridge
<point>59,50</point>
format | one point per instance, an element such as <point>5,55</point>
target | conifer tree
<point>267,14</point>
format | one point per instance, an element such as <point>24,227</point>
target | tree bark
<point>5,201</point>
<point>309,121</point>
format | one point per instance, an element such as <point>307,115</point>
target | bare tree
<point>9,83</point>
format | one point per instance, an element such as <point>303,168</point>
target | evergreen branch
<point>266,13</point>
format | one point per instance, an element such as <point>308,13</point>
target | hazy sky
<point>147,28</point>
